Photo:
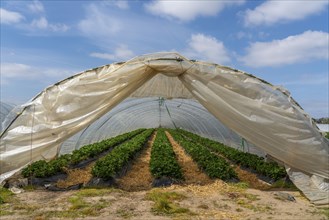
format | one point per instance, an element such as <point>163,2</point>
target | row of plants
<point>163,161</point>
<point>247,160</point>
<point>92,150</point>
<point>42,168</point>
<point>212,165</point>
<point>110,165</point>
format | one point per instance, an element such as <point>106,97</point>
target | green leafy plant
<point>111,164</point>
<point>163,161</point>
<point>42,168</point>
<point>269,169</point>
<point>92,150</point>
<point>212,165</point>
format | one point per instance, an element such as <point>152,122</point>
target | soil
<point>191,171</point>
<point>218,200</point>
<point>251,179</point>
<point>76,176</point>
<point>202,197</point>
<point>139,176</point>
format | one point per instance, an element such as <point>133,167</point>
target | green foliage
<point>5,195</point>
<point>269,169</point>
<point>111,164</point>
<point>42,168</point>
<point>163,159</point>
<point>322,120</point>
<point>92,150</point>
<point>327,135</point>
<point>38,168</point>
<point>213,166</point>
<point>283,184</point>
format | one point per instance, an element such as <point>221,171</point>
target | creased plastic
<point>259,112</point>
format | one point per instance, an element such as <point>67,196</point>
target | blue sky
<point>283,42</point>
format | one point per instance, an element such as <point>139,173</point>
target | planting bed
<point>195,166</point>
<point>131,161</point>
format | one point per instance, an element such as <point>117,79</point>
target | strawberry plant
<point>42,168</point>
<point>269,169</point>
<point>163,161</point>
<point>92,150</point>
<point>212,165</point>
<point>111,164</point>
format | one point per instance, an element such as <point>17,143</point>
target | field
<point>157,174</point>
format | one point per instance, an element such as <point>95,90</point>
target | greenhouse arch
<point>263,114</point>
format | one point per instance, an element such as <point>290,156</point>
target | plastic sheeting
<point>261,113</point>
<point>156,112</point>
<point>5,108</point>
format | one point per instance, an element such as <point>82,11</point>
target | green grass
<point>5,212</point>
<point>125,213</point>
<point>241,185</point>
<point>283,184</point>
<point>164,202</point>
<point>91,192</point>
<point>5,195</point>
<point>78,208</point>
<point>325,211</point>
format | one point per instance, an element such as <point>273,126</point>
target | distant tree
<point>322,120</point>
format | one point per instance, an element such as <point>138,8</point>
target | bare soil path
<point>139,176</point>
<point>191,171</point>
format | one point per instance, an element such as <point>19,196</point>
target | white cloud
<point>120,53</point>
<point>21,71</point>
<point>42,23</point>
<point>272,12</point>
<point>107,27</point>
<point>36,7</point>
<point>188,10</point>
<point>96,19</point>
<point>10,17</point>
<point>242,34</point>
<point>12,70</point>
<point>207,48</point>
<point>293,49</point>
<point>122,4</point>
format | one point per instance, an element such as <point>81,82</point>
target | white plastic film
<point>263,114</point>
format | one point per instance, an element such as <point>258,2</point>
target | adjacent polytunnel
<point>5,109</point>
<point>263,114</point>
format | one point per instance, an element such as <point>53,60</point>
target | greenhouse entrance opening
<point>263,114</point>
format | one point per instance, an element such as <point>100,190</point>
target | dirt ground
<point>139,176</point>
<point>191,171</point>
<point>198,197</point>
<point>217,200</point>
